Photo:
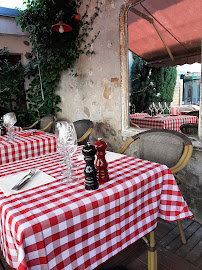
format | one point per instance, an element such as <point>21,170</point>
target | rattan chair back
<point>163,146</point>
<point>189,128</point>
<point>83,128</point>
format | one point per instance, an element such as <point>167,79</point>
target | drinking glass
<point>151,108</point>
<point>66,141</point>
<point>9,120</point>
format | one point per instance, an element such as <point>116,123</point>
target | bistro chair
<point>134,125</point>
<point>43,124</point>
<point>194,113</point>
<point>189,128</point>
<point>164,146</point>
<point>83,129</point>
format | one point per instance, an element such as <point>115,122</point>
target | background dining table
<point>63,226</point>
<point>26,144</point>
<point>172,122</point>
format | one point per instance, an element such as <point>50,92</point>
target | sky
<point>196,67</point>
<point>11,3</point>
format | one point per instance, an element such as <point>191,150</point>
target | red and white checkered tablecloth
<point>134,115</point>
<point>63,226</point>
<point>22,147</point>
<point>165,122</point>
<point>16,128</point>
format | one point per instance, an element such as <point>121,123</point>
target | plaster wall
<point>8,26</point>
<point>14,39</point>
<point>96,93</point>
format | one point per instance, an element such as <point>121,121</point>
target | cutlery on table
<point>31,133</point>
<point>24,180</point>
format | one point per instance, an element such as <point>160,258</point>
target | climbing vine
<point>53,52</point>
<point>12,96</point>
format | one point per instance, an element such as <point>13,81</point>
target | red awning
<point>155,24</point>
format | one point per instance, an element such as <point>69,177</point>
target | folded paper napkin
<point>9,181</point>
<point>110,156</point>
<point>30,133</point>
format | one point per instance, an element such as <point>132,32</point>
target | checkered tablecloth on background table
<point>63,226</point>
<point>23,146</point>
<point>132,116</point>
<point>164,122</point>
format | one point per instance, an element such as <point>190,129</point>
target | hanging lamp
<point>61,27</point>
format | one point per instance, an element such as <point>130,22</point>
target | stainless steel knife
<point>24,180</point>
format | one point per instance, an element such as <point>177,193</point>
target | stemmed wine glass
<point>151,108</point>
<point>66,141</point>
<point>9,120</point>
<point>161,110</point>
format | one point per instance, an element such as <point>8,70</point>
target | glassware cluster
<point>9,120</point>
<point>159,108</point>
<point>66,142</point>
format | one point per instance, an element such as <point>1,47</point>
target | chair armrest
<point>46,127</point>
<point>88,132</point>
<point>125,145</point>
<point>35,123</point>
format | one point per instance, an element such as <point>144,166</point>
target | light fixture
<point>61,27</point>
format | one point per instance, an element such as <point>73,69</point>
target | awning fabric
<point>179,23</point>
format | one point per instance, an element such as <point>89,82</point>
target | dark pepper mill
<point>91,181</point>
<point>2,128</point>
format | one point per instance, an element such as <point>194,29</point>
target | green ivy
<point>11,87</point>
<point>52,52</point>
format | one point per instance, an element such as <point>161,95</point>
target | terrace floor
<point>172,254</point>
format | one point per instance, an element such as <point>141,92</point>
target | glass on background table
<point>57,225</point>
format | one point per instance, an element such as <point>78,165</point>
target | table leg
<point>152,253</point>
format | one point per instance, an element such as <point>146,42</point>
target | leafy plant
<point>53,52</point>
<point>12,96</point>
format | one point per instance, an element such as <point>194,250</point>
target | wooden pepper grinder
<point>91,181</point>
<point>101,163</point>
<point>2,128</point>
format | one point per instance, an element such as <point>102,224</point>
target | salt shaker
<point>91,181</point>
<point>101,163</point>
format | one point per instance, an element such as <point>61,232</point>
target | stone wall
<point>96,93</point>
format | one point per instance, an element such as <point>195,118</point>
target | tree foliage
<point>151,84</point>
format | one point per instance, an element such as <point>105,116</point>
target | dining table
<point>49,224</point>
<point>161,121</point>
<point>26,144</point>
<point>134,115</point>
